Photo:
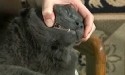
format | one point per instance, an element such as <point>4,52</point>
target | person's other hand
<point>49,16</point>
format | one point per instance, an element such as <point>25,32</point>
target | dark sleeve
<point>34,3</point>
<point>11,7</point>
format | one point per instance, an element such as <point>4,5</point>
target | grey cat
<point>28,47</point>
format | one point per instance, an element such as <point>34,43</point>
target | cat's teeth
<point>68,30</point>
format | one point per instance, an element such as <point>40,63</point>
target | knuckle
<point>46,12</point>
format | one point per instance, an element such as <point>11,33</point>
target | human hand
<point>49,16</point>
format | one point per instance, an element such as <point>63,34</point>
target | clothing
<point>13,7</point>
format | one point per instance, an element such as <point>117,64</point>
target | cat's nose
<point>79,24</point>
<point>79,30</point>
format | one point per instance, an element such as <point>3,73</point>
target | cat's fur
<point>29,47</point>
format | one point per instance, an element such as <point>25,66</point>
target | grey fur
<point>28,47</point>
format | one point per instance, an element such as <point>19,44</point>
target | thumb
<point>48,14</point>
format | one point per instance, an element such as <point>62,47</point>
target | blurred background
<point>110,22</point>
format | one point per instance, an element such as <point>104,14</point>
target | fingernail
<point>83,39</point>
<point>84,35</point>
<point>49,22</point>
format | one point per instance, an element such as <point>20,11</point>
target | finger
<point>80,7</point>
<point>86,14</point>
<point>62,2</point>
<point>88,36</point>
<point>47,12</point>
<point>88,22</point>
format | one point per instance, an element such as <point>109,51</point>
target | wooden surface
<point>95,56</point>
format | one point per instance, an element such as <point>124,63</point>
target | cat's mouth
<point>58,26</point>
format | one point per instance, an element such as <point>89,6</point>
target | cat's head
<point>67,29</point>
<point>69,19</point>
